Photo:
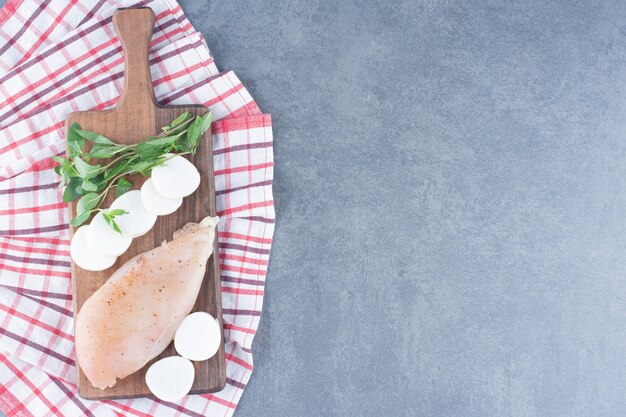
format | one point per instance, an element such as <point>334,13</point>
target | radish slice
<point>106,240</point>
<point>84,256</point>
<point>198,337</point>
<point>176,178</point>
<point>155,203</point>
<point>138,221</point>
<point>171,378</point>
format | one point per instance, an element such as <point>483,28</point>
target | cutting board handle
<point>134,29</point>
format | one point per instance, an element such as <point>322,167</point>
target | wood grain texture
<point>136,116</point>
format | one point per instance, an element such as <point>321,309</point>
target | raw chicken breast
<point>133,317</point>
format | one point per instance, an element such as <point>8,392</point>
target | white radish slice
<point>155,203</point>
<point>138,221</point>
<point>85,257</point>
<point>176,178</point>
<point>198,337</point>
<point>171,378</point>
<point>101,237</point>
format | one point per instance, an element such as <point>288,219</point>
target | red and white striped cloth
<point>60,56</point>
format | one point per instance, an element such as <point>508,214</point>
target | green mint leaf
<point>183,144</point>
<point>73,136</point>
<point>148,152</point>
<point>164,141</point>
<point>60,159</point>
<point>194,132</point>
<point>109,219</point>
<point>84,169</point>
<point>87,203</point>
<point>143,167</point>
<point>122,186</point>
<point>178,120</point>
<point>79,189</point>
<point>89,186</point>
<point>64,169</point>
<point>97,184</point>
<point>175,141</point>
<point>100,181</point>
<point>207,120</point>
<point>77,221</point>
<point>181,128</point>
<point>71,193</point>
<point>73,149</point>
<point>117,169</point>
<point>115,226</point>
<point>67,173</point>
<point>116,212</point>
<point>94,137</point>
<point>102,151</point>
<point>75,142</point>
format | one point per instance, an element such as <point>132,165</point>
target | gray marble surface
<point>451,200</point>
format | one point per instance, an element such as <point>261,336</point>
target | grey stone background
<point>451,200</point>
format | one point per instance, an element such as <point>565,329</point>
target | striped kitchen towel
<point>61,56</point>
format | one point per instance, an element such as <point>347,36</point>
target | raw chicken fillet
<point>132,318</point>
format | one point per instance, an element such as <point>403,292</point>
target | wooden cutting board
<point>136,116</point>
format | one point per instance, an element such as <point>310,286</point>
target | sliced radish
<point>155,203</point>
<point>137,221</point>
<point>171,378</point>
<point>176,178</point>
<point>198,337</point>
<point>84,256</point>
<point>101,237</point>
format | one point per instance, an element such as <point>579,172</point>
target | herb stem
<point>174,129</point>
<point>112,183</point>
<point>116,160</point>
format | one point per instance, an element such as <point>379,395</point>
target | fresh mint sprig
<point>110,215</point>
<point>89,174</point>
